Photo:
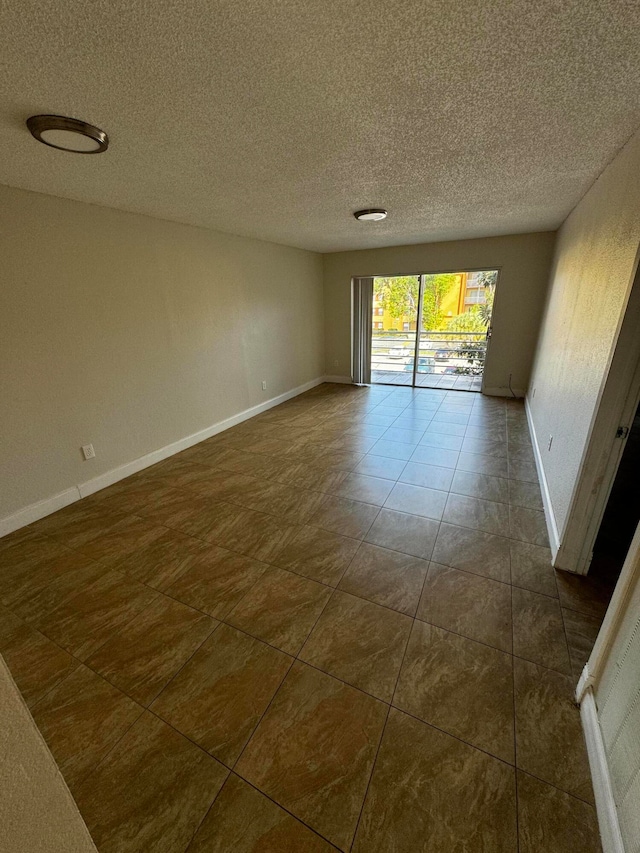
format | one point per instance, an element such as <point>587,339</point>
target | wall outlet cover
<point>88,452</point>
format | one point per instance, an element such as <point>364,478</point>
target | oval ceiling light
<point>68,134</point>
<point>373,214</point>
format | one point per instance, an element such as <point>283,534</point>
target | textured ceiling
<point>278,118</point>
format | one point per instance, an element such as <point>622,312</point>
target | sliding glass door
<point>432,330</point>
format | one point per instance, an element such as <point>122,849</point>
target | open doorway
<point>622,514</point>
<point>432,330</point>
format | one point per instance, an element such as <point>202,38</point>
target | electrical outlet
<point>550,442</point>
<point>264,385</point>
<point>336,363</point>
<point>88,452</point>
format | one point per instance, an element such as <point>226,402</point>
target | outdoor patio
<point>427,380</point>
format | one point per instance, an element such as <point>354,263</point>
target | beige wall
<point>131,333</point>
<point>523,260</point>
<point>37,812</point>
<point>591,278</point>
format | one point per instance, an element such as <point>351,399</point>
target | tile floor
<point>427,380</point>
<point>334,626</point>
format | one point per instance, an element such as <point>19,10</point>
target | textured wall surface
<point>278,119</point>
<point>591,279</point>
<point>131,333</point>
<point>523,260</point>
<point>37,812</point>
<point>618,701</point>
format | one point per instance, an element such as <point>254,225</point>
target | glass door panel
<point>394,328</point>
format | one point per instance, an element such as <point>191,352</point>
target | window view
<point>431,330</point>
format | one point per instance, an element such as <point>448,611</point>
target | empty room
<point>320,427</point>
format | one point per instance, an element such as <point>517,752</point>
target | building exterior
<point>463,295</point>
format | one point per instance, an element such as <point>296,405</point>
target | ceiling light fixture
<point>373,214</point>
<point>68,134</point>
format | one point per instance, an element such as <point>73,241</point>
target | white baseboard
<point>45,507</point>
<point>343,380</point>
<point>552,527</point>
<point>504,392</point>
<point>36,511</point>
<point>602,788</point>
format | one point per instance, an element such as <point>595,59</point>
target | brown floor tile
<point>416,500</point>
<point>314,749</point>
<point>151,793</point>
<point>460,686</point>
<point>386,577</point>
<point>344,516</point>
<point>242,462</point>
<point>473,551</point>
<point>584,594</point>
<point>242,820</point>
<point>427,476</point>
<point>522,470</point>
<point>132,496</point>
<point>549,739</point>
<point>531,568</point>
<point>364,488</point>
<point>77,524</point>
<point>180,510</point>
<point>467,604</point>
<point>485,446</point>
<point>216,581</point>
<point>479,463</point>
<point>17,537</point>
<point>22,579</point>
<point>283,501</point>
<point>538,630</point>
<point>144,655</point>
<point>246,531</point>
<point>554,822</point>
<point>281,608</point>
<point>160,564</point>
<point>81,719</point>
<point>83,622</point>
<point>317,554</point>
<point>219,696</point>
<point>34,605</point>
<point>381,466</point>
<point>399,531</point>
<point>488,516</point>
<point>528,525</point>
<point>431,793</point>
<point>309,477</point>
<point>125,538</point>
<point>28,548</point>
<point>36,663</point>
<point>359,642</point>
<point>581,631</point>
<point>525,494</point>
<point>482,486</point>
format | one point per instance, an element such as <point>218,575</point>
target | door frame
<point>619,400</point>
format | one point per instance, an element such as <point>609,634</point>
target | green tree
<point>436,287</point>
<point>399,295</point>
<point>488,279</point>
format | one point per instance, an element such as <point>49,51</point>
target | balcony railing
<point>455,353</point>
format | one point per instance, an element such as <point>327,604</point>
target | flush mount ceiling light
<point>373,214</point>
<point>68,134</point>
